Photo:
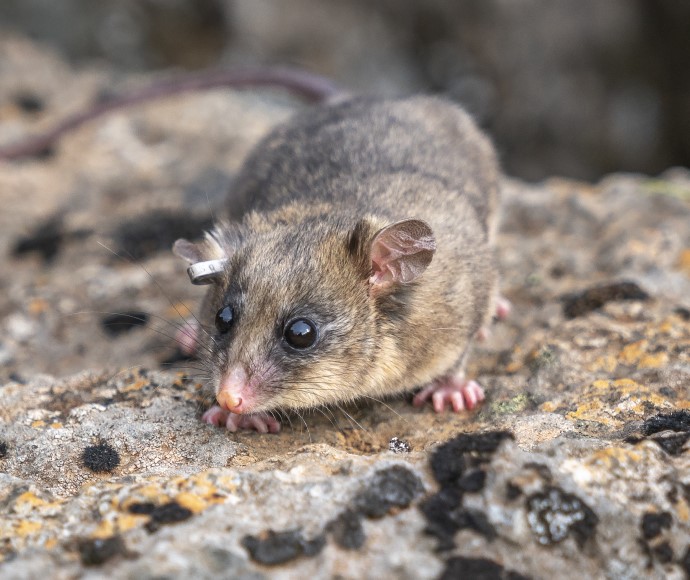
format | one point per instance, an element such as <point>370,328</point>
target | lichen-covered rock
<point>577,465</point>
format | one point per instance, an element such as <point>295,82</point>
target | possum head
<point>298,310</point>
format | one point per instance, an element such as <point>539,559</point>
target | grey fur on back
<point>344,153</point>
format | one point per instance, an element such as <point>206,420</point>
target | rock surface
<point>577,465</point>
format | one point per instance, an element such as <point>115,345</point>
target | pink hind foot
<point>460,393</point>
<point>261,422</point>
<point>503,309</point>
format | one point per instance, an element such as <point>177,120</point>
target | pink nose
<point>232,387</point>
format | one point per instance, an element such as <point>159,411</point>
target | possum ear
<point>188,251</point>
<point>401,252</point>
<point>207,259</point>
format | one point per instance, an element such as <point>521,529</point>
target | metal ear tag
<point>205,272</point>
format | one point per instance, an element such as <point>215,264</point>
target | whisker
<point>160,288</point>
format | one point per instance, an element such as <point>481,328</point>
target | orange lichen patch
<point>653,361</point>
<point>632,353</point>
<point>549,406</point>
<point>50,543</point>
<point>606,363</point>
<point>149,492</point>
<point>38,423</point>
<point>56,425</point>
<point>192,502</point>
<point>615,462</point>
<point>27,501</point>
<point>26,528</point>
<point>514,366</point>
<point>516,360</point>
<point>591,411</point>
<point>601,384</point>
<point>631,400</point>
<point>684,261</point>
<point>117,523</point>
<point>105,529</point>
<point>666,327</point>
<point>682,510</point>
<point>136,386</point>
<point>203,489</point>
<point>38,306</point>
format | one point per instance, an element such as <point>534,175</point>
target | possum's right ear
<point>207,259</point>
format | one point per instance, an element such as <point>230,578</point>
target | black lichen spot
<point>439,510</point>
<point>272,548</point>
<point>683,312</point>
<point>121,322</point>
<point>393,487</point>
<point>543,470</point>
<point>676,421</point>
<point>445,517</point>
<point>451,459</point>
<point>579,304</point>
<point>3,450</point>
<point>477,569</point>
<point>476,520</point>
<point>168,513</point>
<point>100,458</point>
<point>455,466</point>
<point>554,515</point>
<point>671,443</point>
<point>347,530</point>
<point>157,231</point>
<point>46,240</point>
<point>654,523</point>
<point>513,491</point>
<point>29,102</point>
<point>472,481</point>
<point>663,552</point>
<point>142,508</point>
<point>95,552</point>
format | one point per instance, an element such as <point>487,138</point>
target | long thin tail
<point>310,87</point>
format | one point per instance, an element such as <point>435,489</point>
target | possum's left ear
<point>400,252</point>
<point>207,259</point>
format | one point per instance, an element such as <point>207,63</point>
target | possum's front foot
<point>455,390</point>
<point>261,422</point>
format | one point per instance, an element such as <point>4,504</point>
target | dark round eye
<point>300,333</point>
<point>224,319</point>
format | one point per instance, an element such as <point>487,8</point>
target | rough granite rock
<point>577,465</point>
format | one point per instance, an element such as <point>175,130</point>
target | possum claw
<point>460,393</point>
<point>261,422</point>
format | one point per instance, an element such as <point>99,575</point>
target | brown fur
<point>303,213</point>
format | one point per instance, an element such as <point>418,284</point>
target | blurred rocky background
<point>578,89</point>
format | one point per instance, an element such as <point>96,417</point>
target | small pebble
<point>397,445</point>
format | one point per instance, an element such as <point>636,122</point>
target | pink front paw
<point>261,422</point>
<point>503,308</point>
<point>187,338</point>
<point>502,311</point>
<point>460,393</point>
